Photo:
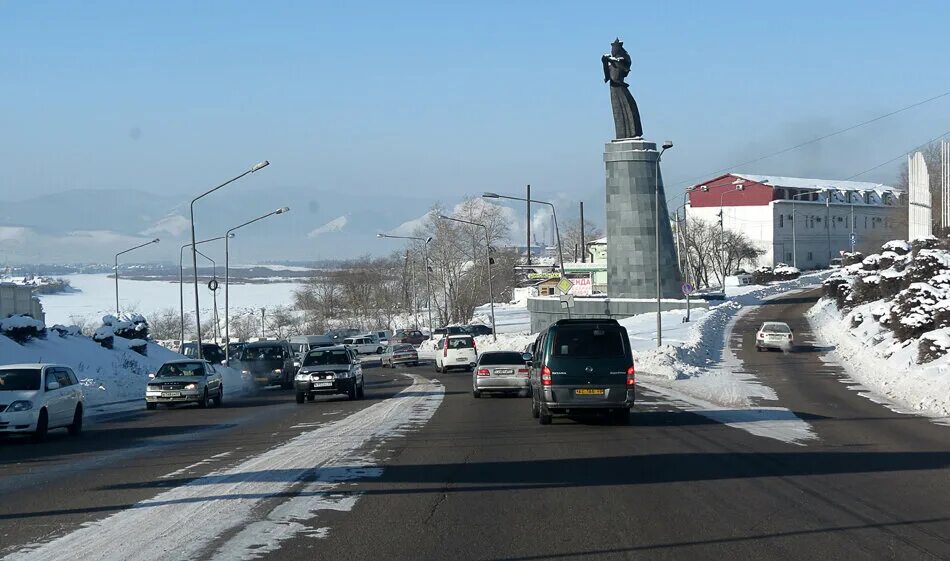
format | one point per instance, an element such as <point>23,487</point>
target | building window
<point>781,220</point>
<point>809,256</point>
<point>788,257</point>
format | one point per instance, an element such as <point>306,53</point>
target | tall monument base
<point>633,177</point>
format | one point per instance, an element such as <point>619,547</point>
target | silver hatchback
<point>500,372</point>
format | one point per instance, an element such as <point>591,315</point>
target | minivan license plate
<point>589,391</point>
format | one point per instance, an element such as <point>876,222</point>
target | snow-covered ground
<point>113,380</point>
<point>883,369</point>
<point>94,296</point>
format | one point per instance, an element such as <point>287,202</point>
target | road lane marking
<point>183,522</point>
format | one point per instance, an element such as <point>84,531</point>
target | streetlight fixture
<point>560,253</point>
<point>156,240</point>
<point>181,279</point>
<point>194,256</point>
<point>425,249</point>
<point>656,188</point>
<point>491,292</point>
<point>795,222</point>
<point>227,277</point>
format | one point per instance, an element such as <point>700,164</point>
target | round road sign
<point>687,289</point>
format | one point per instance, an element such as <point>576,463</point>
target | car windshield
<point>776,328</point>
<point>19,379</point>
<point>501,358</point>
<point>323,357</point>
<point>262,353</point>
<point>181,369</point>
<point>589,342</point>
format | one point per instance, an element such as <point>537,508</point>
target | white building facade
<point>798,221</point>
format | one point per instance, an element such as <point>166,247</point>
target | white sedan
<point>774,335</point>
<point>35,398</point>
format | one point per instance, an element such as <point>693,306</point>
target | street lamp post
<point>795,224</point>
<point>227,277</point>
<point>156,240</point>
<point>656,193</point>
<point>194,255</point>
<point>425,249</point>
<point>181,279</point>
<point>491,292</point>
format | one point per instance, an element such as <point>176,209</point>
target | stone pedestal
<point>631,228</point>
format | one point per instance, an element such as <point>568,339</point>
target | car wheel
<point>75,429</point>
<point>42,427</point>
<point>758,349</point>
<point>219,401</point>
<point>361,392</point>
<point>301,397</point>
<point>151,406</point>
<point>535,410</point>
<point>205,400</point>
<point>352,392</point>
<point>311,397</point>
<point>379,350</point>
<point>544,418</point>
<point>476,393</point>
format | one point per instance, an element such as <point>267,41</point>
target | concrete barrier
<point>547,310</point>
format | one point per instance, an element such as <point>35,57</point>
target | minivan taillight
<point>631,378</point>
<point>474,348</point>
<point>445,347</point>
<point>545,376</point>
<point>483,372</point>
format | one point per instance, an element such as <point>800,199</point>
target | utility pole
<point>262,324</point>
<point>583,244</point>
<point>828,195</point>
<point>528,222</point>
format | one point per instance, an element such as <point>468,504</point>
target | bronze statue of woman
<point>626,115</point>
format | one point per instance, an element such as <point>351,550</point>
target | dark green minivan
<point>582,365</point>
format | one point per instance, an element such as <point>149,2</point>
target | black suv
<point>582,365</point>
<point>265,363</point>
<point>478,329</point>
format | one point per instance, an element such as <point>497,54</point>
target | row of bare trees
<point>712,251</point>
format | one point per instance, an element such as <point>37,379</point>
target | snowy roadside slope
<point>703,366</point>
<point>885,368</point>
<point>109,377</point>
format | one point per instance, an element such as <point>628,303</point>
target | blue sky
<point>442,100</point>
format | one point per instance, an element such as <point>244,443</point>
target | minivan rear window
<point>461,343</point>
<point>588,342</point>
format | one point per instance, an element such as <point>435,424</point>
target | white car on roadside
<point>456,351</point>
<point>364,345</point>
<point>774,335</point>
<point>35,398</point>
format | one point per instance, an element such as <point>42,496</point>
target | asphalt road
<point>483,480</point>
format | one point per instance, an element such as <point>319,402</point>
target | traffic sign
<point>854,239</point>
<point>213,285</point>
<point>687,289</point>
<point>564,285</point>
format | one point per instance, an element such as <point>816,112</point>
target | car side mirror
<point>527,357</point>
<point>151,374</point>
<point>52,386</point>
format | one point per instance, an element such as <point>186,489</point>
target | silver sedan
<point>500,372</point>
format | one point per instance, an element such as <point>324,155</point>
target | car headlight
<point>296,364</point>
<point>300,376</point>
<point>345,374</point>
<point>277,371</point>
<point>20,406</point>
<point>191,386</point>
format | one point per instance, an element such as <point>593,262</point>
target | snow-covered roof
<point>599,240</point>
<point>805,183</point>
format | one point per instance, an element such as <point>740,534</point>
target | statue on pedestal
<point>626,115</point>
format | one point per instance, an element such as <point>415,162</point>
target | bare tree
<point>572,240</point>
<point>166,324</point>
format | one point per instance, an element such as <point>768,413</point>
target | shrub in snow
<point>871,262</point>
<point>933,345</point>
<point>927,264</point>
<point>22,328</point>
<point>851,258</point>
<point>129,326</point>
<point>899,247</point>
<point>865,289</point>
<point>857,318</point>
<point>891,283</point>
<point>927,242</point>
<point>139,346</point>
<point>832,283</point>
<point>64,330</point>
<point>762,275</point>
<point>105,336</point>
<point>784,272</point>
<point>842,296</point>
<point>913,312</point>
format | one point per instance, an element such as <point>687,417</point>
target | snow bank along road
<point>422,470</point>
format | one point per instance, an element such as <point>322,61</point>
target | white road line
<point>183,522</point>
<point>204,462</point>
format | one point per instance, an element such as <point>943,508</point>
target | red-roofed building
<point>816,217</point>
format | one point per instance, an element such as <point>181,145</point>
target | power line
<point>901,155</point>
<point>818,139</point>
